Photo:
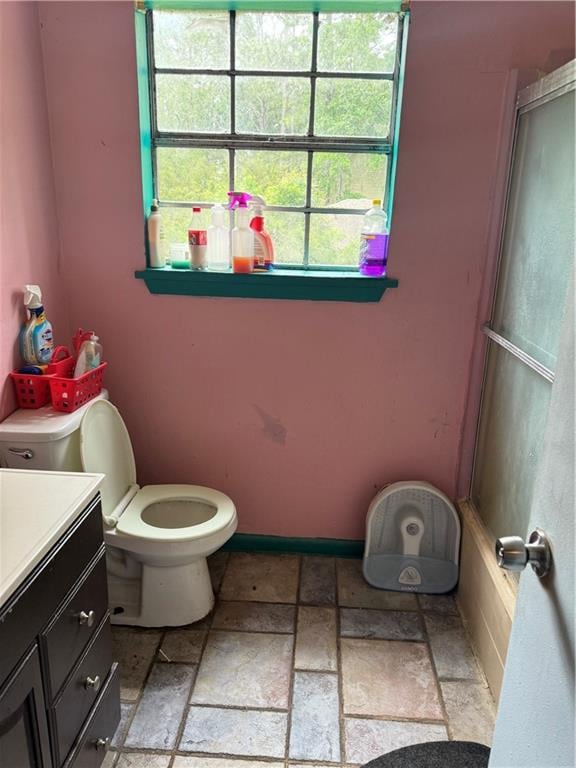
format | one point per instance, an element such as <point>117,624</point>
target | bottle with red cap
<point>197,241</point>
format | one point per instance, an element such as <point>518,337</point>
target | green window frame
<point>298,280</point>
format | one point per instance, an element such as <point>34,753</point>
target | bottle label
<point>43,343</point>
<point>197,237</point>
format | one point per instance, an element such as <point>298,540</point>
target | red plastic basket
<point>33,390</point>
<point>69,394</point>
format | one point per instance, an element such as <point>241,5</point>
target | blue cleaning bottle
<point>36,338</point>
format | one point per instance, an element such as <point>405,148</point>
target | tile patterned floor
<point>300,665</point>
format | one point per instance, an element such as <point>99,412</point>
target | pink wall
<point>29,246</point>
<point>299,411</point>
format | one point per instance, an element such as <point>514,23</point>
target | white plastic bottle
<point>154,231</point>
<point>89,356</point>
<point>218,240</point>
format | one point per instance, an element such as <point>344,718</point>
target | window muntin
<point>298,108</point>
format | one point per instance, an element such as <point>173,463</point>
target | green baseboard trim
<point>254,542</point>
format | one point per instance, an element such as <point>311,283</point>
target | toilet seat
<point>132,523</point>
<point>105,447</point>
<point>105,443</point>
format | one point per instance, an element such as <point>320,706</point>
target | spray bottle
<point>263,246</point>
<point>36,339</point>
<point>242,235</point>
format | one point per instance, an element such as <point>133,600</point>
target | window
<point>301,108</point>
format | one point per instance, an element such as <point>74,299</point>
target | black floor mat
<point>435,754</point>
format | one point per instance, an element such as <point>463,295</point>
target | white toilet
<point>158,537</point>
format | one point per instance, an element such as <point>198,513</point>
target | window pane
<point>195,175</point>
<point>357,42</point>
<point>353,107</point>
<point>347,180</point>
<point>272,105</point>
<point>538,252</point>
<point>287,230</point>
<point>335,239</point>
<point>278,177</point>
<point>274,41</point>
<point>199,40</point>
<point>512,425</point>
<point>193,103</point>
<point>174,228</point>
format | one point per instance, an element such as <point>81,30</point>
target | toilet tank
<point>43,439</point>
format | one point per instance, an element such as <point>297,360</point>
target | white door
<point>535,723</point>
<point>536,717</point>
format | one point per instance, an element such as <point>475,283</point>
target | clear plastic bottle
<point>242,235</point>
<point>374,241</point>
<point>218,240</point>
<point>197,241</point>
<point>89,356</point>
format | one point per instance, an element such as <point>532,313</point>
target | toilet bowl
<point>157,537</point>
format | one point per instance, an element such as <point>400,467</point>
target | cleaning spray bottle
<point>263,245</point>
<point>36,339</point>
<point>242,235</point>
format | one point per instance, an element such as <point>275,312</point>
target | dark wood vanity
<point>59,685</point>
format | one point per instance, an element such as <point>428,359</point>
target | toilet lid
<point>105,447</point>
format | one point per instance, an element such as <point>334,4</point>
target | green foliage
<point>274,41</point>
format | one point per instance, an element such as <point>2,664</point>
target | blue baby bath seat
<point>412,539</point>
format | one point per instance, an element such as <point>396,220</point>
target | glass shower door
<point>535,273</point>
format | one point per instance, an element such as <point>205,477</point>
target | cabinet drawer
<point>90,748</point>
<point>27,612</point>
<point>75,624</point>
<point>81,690</point>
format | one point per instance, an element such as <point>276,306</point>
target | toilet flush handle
<point>23,453</point>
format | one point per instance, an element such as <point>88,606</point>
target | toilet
<point>157,537</point>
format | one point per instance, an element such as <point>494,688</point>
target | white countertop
<point>36,508</point>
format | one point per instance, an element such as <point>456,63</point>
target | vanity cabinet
<point>23,726</point>
<point>59,685</point>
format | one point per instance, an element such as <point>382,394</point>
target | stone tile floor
<point>301,664</point>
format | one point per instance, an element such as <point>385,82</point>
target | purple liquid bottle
<point>374,242</point>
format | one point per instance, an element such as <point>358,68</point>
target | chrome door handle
<point>514,555</point>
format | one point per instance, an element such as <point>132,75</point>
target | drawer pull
<point>102,744</point>
<point>92,682</point>
<point>86,618</point>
